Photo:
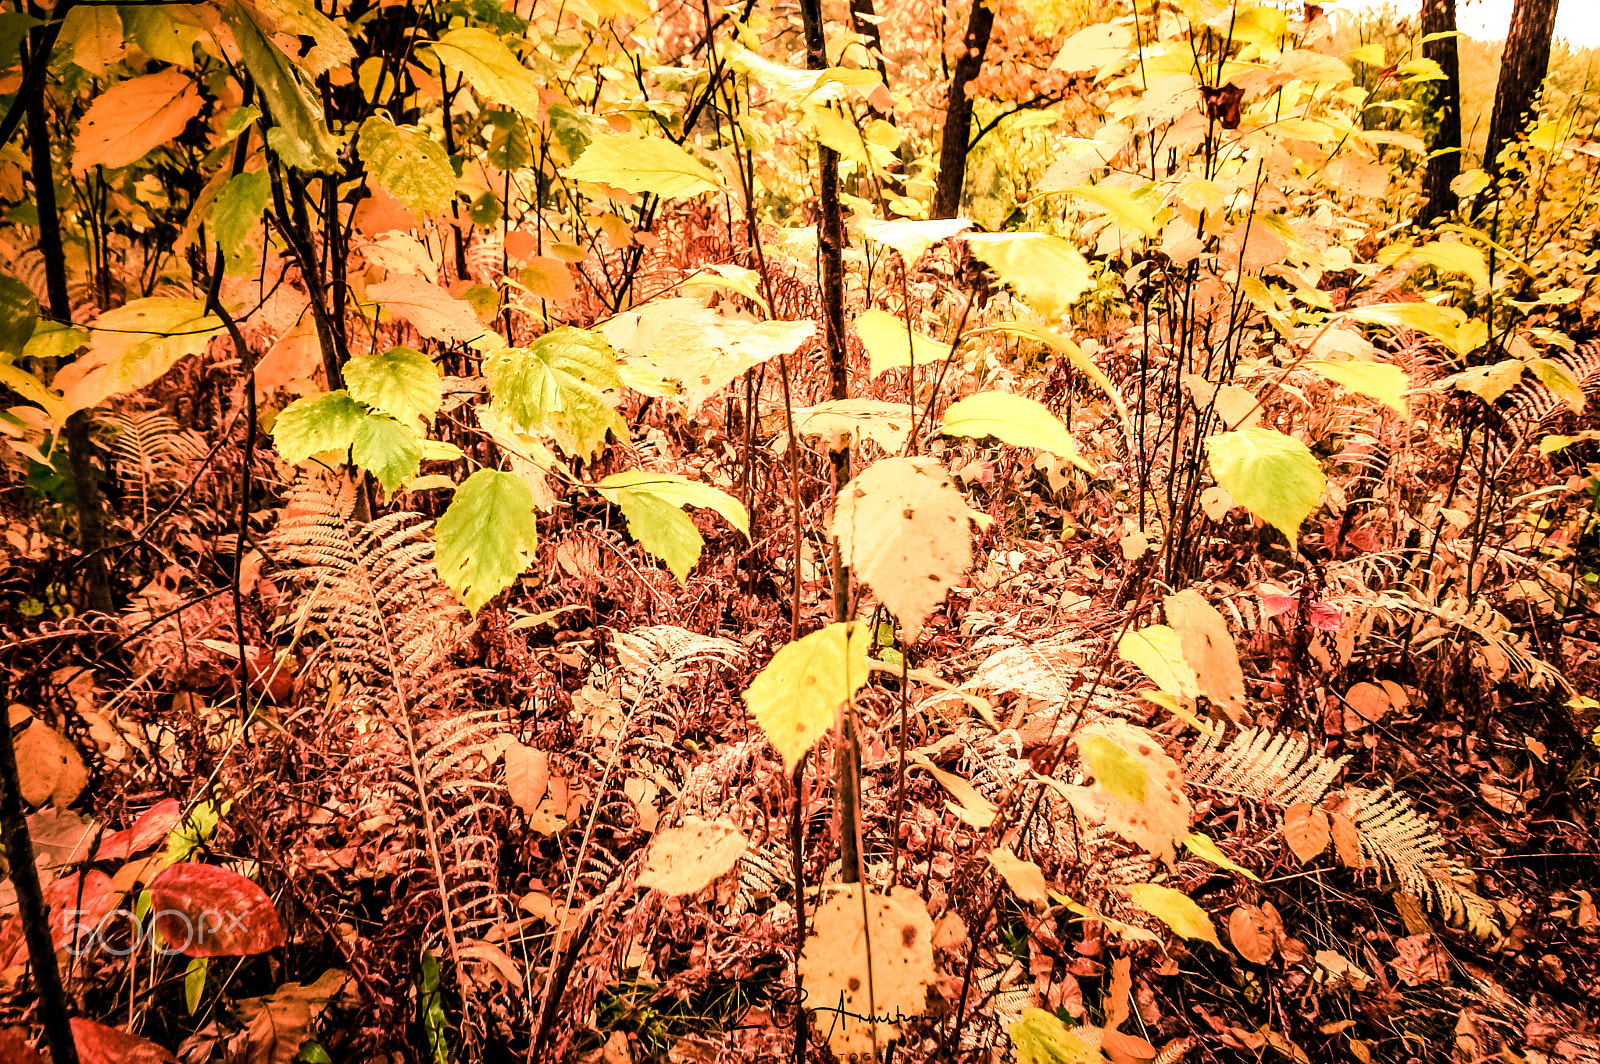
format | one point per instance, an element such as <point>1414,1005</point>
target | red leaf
<point>1276,604</point>
<point>1325,616</point>
<point>151,827</point>
<point>77,903</point>
<point>98,1044</point>
<point>13,1048</point>
<point>206,911</point>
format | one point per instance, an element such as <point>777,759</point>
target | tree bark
<point>958,113</point>
<point>1439,16</point>
<point>1522,70</point>
<point>58,305</point>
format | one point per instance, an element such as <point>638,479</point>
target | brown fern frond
<point>1263,766</point>
<point>1398,838</point>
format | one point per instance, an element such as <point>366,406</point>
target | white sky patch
<point>1577,21</point>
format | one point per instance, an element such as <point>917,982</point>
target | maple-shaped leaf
<point>486,537</point>
<point>565,384</point>
<point>643,164</point>
<point>133,117</point>
<point>903,528</point>
<point>134,345</point>
<point>412,167</point>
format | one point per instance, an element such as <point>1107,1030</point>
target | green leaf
<point>1386,383</point>
<point>132,346</point>
<point>1205,847</point>
<point>653,505</point>
<point>194,982</point>
<point>1273,475</point>
<point>1074,353</point>
<point>559,386</point>
<point>236,214</point>
<point>167,32</point>
<point>19,314</point>
<point>884,337</point>
<point>401,382</point>
<point>643,164</point>
<point>34,390</point>
<point>1126,211</point>
<point>1013,419</point>
<point>1040,1037</point>
<point>1455,257</point>
<point>317,423</point>
<point>1046,272</point>
<point>1117,770</point>
<point>1175,909</point>
<point>410,166</point>
<point>1554,375</point>
<point>796,696</point>
<point>388,449</point>
<point>299,131</point>
<point>492,68</point>
<point>55,340</point>
<point>487,538</point>
<point>1158,650</point>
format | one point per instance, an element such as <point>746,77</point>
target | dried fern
<point>375,612</point>
<point>1281,770</point>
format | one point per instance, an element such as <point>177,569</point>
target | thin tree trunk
<point>1439,16</point>
<point>80,451</point>
<point>958,113</point>
<point>1523,67</point>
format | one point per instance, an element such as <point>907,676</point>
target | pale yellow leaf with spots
<point>685,858</point>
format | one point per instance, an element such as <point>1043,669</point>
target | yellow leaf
<point>1046,272</point>
<point>1491,382</point>
<point>1555,376</point>
<point>1074,354</point>
<point>1025,878</point>
<point>1119,204</point>
<point>686,858</point>
<point>1013,419</point>
<point>1206,848</point>
<point>643,164</point>
<point>885,338</point>
<point>1175,909</point>
<point>1455,257</point>
<point>1377,380</point>
<point>1209,650</point>
<point>911,239</point>
<point>132,117</point>
<point>796,696</point>
<point>903,529</point>
<point>132,346</point>
<point>1159,819</point>
<point>1158,650</point>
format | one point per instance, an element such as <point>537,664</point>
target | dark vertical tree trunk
<point>58,305</point>
<point>1439,16</point>
<point>958,113</point>
<point>1522,71</point>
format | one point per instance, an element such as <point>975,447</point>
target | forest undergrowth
<point>520,520</point>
